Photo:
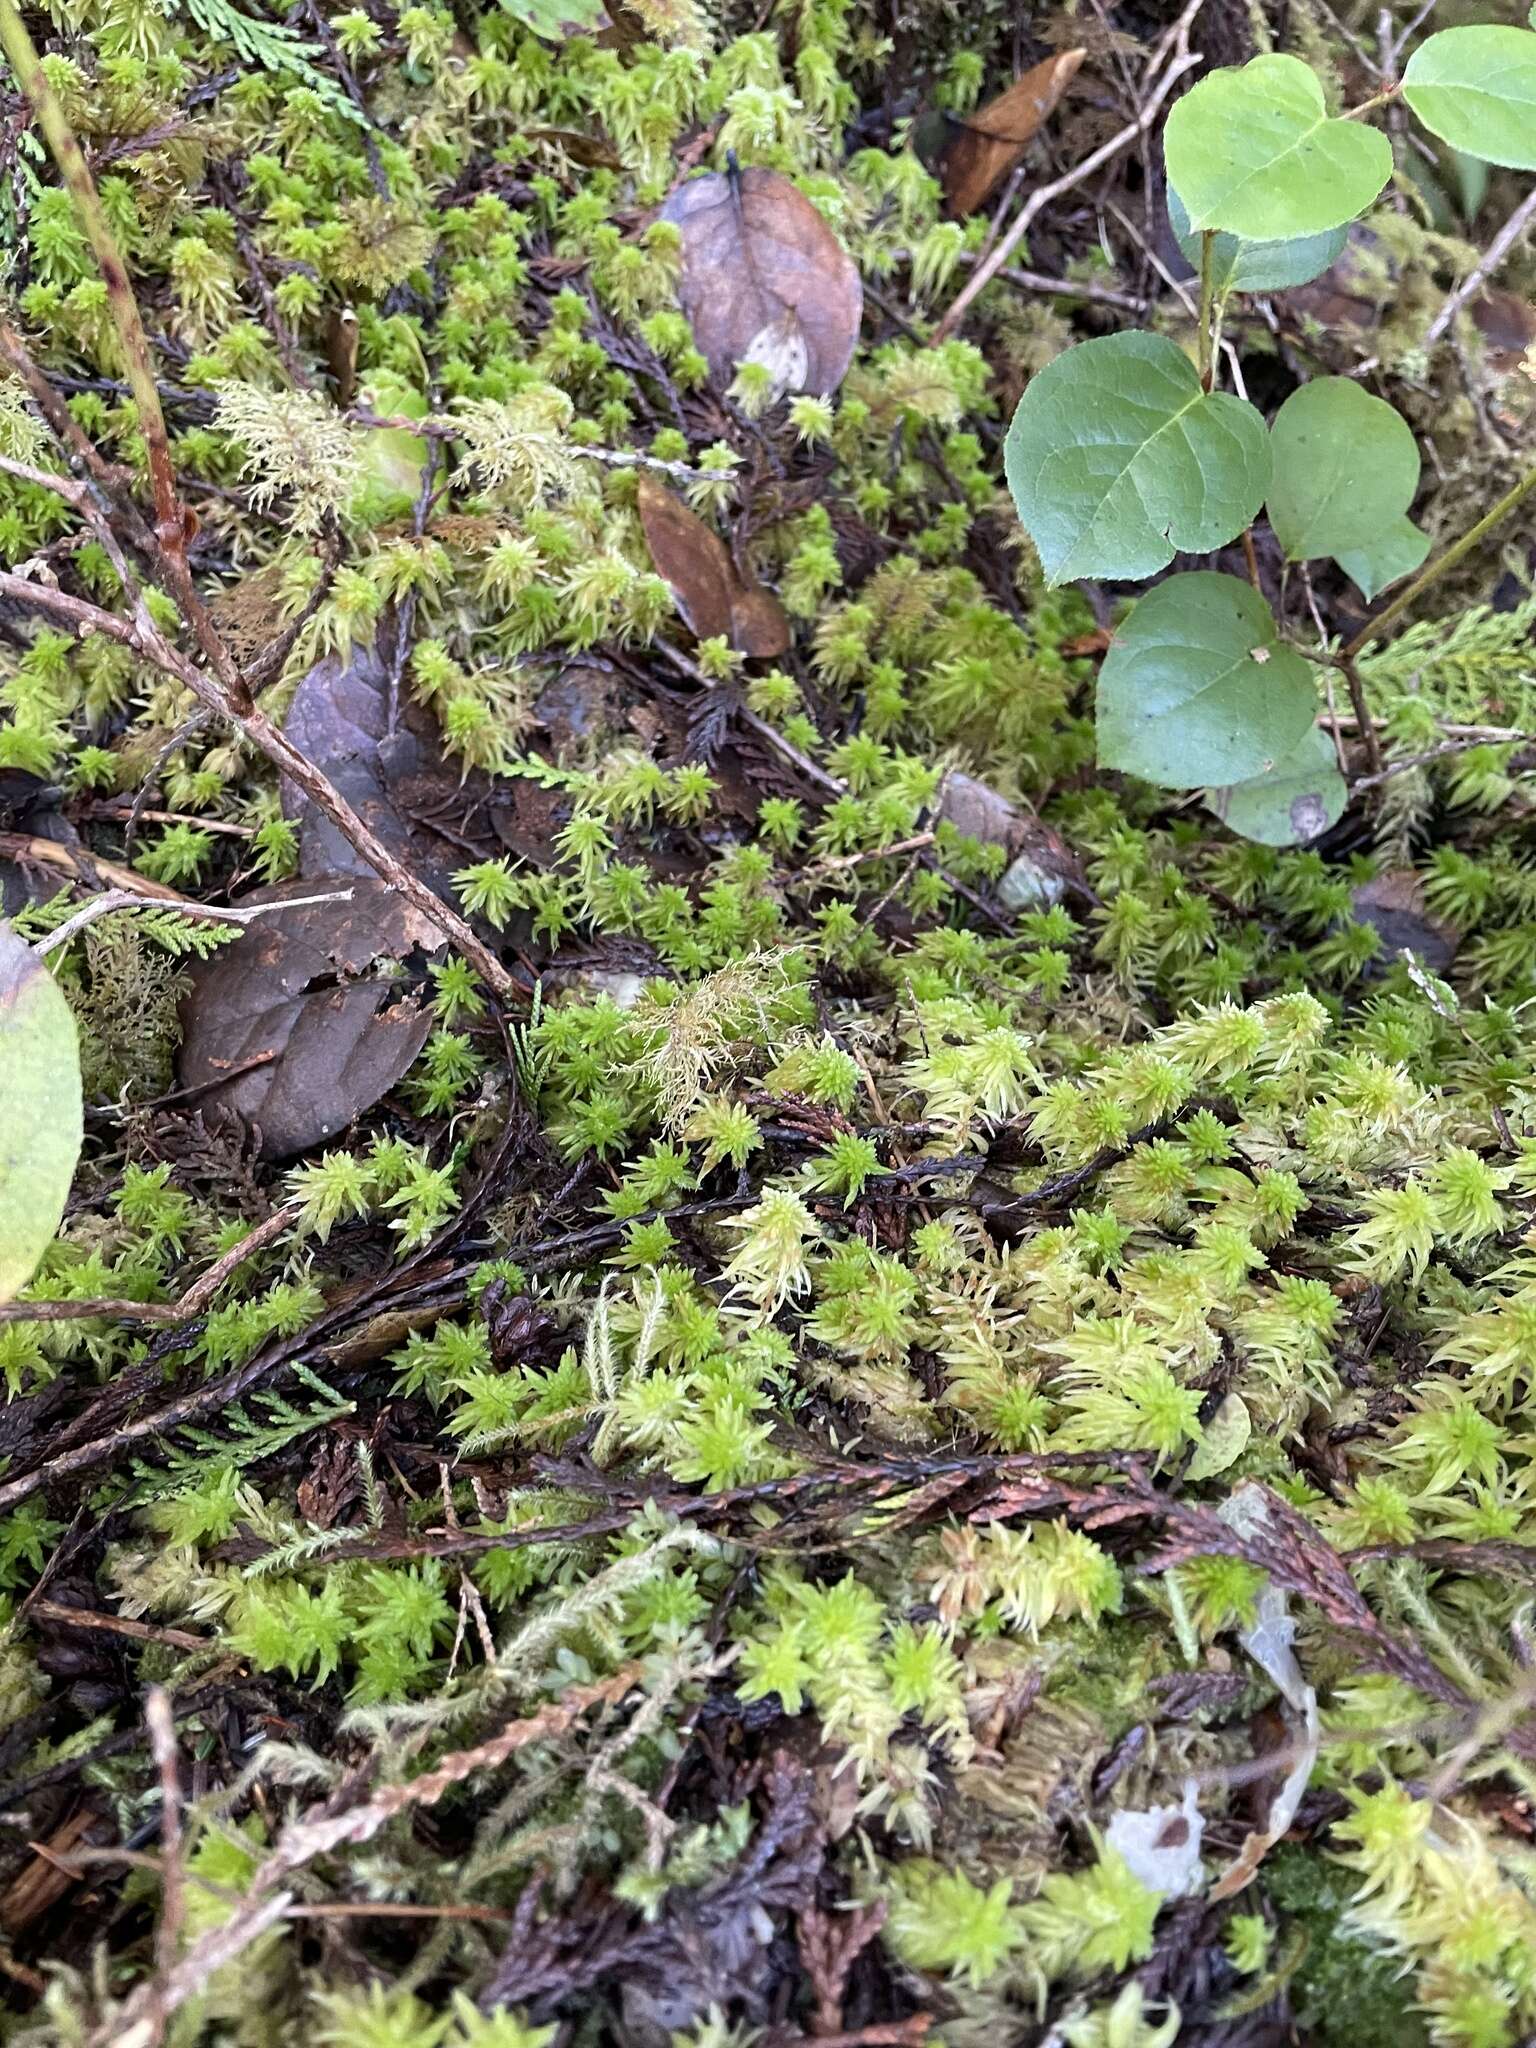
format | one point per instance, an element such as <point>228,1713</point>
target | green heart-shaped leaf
<point>40,1110</point>
<point>1476,89</point>
<point>1300,797</point>
<point>1396,550</point>
<point>1346,465</point>
<point>1254,151</point>
<point>1239,266</point>
<point>1117,459</point>
<point>1198,687</point>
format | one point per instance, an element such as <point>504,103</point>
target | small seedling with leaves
<point>1123,453</point>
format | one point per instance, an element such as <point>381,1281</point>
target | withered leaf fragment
<point>395,781</point>
<point>983,149</point>
<point>716,601</point>
<point>765,279</point>
<point>291,993</point>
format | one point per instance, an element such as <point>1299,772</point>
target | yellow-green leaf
<point>1476,89</point>
<point>1254,151</point>
<point>1224,1440</point>
<point>40,1110</point>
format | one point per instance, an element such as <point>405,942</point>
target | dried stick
<point>117,1625</point>
<point>173,1903</point>
<point>192,1303</point>
<point>127,899</point>
<point>1183,60</point>
<point>1511,232</point>
<point>53,853</point>
<point>1365,725</point>
<point>253,724</point>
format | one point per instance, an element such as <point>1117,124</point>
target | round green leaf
<point>1346,465</point>
<point>1394,550</point>
<point>1300,797</point>
<point>1254,151</point>
<point>40,1112</point>
<point>1198,687</point>
<point>1239,266</point>
<point>1116,459</point>
<point>1476,89</point>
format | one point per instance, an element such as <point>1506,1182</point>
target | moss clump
<point>1345,1992</point>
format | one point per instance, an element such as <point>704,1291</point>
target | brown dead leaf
<point>1507,324</point>
<point>984,149</point>
<point>716,601</point>
<point>1394,904</point>
<point>285,1013</point>
<point>397,782</point>
<point>765,279</point>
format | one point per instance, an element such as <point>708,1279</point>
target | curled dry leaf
<point>715,599</point>
<point>40,1110</point>
<point>765,279</point>
<point>291,996</point>
<point>982,150</point>
<point>395,781</point>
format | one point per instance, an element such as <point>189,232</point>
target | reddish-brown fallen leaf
<point>984,149</point>
<point>285,1027</point>
<point>716,601</point>
<point>765,279</point>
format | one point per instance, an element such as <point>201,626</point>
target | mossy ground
<point>707,1502</point>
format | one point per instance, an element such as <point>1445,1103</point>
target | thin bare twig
<point>445,429</point>
<point>86,867</point>
<point>318,1832</point>
<point>127,899</point>
<point>192,1303</point>
<point>1182,59</point>
<point>253,724</point>
<point>1070,288</point>
<point>162,1739</point>
<point>1364,723</point>
<point>117,1625</point>
<point>1439,753</point>
<point>1512,232</point>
